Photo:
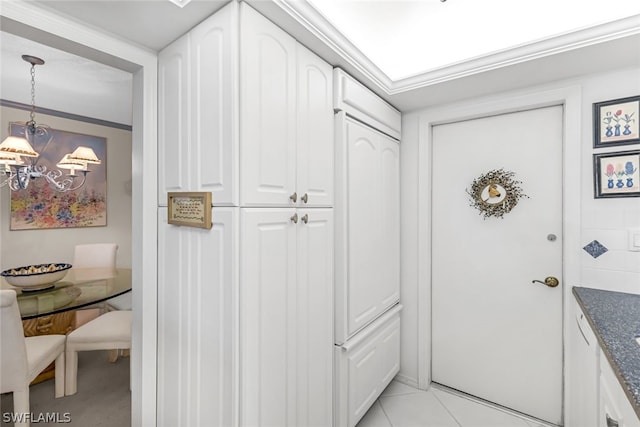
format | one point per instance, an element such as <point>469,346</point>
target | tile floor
<point>403,406</point>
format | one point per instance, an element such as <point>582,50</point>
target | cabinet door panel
<point>213,107</point>
<point>173,119</point>
<point>196,285</point>
<point>368,229</point>
<point>315,317</point>
<point>314,130</point>
<point>364,226</point>
<point>268,320</point>
<point>268,111</point>
<point>389,200</point>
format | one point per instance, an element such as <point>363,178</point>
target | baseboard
<point>404,379</point>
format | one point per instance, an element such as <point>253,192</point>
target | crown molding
<point>316,24</point>
<point>567,42</point>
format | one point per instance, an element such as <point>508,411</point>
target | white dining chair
<point>110,331</point>
<point>95,255</point>
<point>23,358</point>
<point>99,255</point>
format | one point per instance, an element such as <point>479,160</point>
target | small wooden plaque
<point>190,209</point>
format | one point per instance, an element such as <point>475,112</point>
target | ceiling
<point>413,53</point>
<point>410,37</point>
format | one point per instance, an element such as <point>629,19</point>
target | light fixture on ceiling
<point>181,3</point>
<point>19,160</point>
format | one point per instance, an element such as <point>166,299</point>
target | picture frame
<point>191,209</point>
<point>616,122</point>
<point>617,174</point>
<point>40,207</point>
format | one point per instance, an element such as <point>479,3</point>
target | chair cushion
<point>111,327</point>
<point>41,351</point>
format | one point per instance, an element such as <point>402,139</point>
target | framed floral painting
<point>617,174</point>
<point>616,122</point>
<point>39,206</point>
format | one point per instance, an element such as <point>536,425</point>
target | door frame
<point>570,98</point>
<point>32,22</point>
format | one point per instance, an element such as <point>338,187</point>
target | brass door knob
<point>550,281</point>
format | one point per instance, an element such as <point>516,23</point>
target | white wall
<point>607,220</point>
<point>603,219</point>
<point>24,247</point>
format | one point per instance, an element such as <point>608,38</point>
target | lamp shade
<point>10,158</point>
<point>67,163</point>
<point>17,145</point>
<point>84,154</point>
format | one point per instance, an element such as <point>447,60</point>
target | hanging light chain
<point>33,93</point>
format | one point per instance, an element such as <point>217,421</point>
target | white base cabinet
<point>365,365</point>
<point>614,409</point>
<point>596,398</point>
<point>582,408</point>
<point>286,295</point>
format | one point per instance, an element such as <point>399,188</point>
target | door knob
<point>304,198</point>
<point>305,218</point>
<point>294,197</point>
<point>550,281</point>
<point>294,218</point>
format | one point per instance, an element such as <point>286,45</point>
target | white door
<point>495,334</point>
<point>267,112</point>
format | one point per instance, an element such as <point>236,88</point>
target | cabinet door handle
<point>611,422</point>
<point>294,218</point>
<point>294,197</point>
<point>305,218</point>
<point>304,198</point>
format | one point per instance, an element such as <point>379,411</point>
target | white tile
<point>374,417</point>
<point>396,387</point>
<point>416,409</point>
<point>469,413</point>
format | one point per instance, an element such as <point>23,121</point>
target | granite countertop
<point>615,319</point>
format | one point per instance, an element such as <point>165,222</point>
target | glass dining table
<point>80,288</point>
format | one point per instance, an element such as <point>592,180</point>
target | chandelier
<point>19,160</point>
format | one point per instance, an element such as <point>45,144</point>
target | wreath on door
<point>495,193</point>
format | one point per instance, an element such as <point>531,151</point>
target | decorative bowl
<point>35,277</point>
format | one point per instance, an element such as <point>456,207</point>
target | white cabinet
<point>197,287</point>
<point>582,408</point>
<point>596,397</point>
<point>366,366</point>
<point>615,409</point>
<point>286,295</point>
<point>368,225</point>
<point>197,111</point>
<point>246,112</point>
<point>286,145</point>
